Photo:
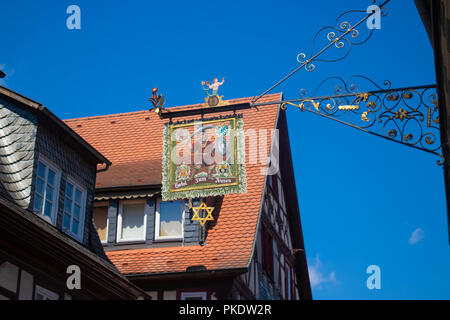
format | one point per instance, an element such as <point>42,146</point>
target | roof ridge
<point>106,116</point>
<point>120,114</point>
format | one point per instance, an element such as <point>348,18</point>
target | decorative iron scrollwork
<point>409,116</point>
<point>348,30</point>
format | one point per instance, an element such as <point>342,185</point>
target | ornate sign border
<point>240,186</point>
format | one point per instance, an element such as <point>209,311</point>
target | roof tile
<point>133,143</point>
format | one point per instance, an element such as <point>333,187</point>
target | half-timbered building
<point>253,249</point>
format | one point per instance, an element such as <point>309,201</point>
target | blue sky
<point>361,198</point>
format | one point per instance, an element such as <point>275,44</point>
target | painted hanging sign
<point>203,158</point>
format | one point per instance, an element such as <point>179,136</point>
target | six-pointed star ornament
<point>209,216</point>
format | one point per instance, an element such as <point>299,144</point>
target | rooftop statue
<point>212,91</point>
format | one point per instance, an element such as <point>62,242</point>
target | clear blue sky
<point>361,197</point>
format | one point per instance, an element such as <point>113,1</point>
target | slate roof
<point>133,143</point>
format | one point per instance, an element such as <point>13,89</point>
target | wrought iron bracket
<point>342,36</point>
<point>409,116</point>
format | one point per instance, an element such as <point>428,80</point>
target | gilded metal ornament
<point>203,207</point>
<point>212,93</point>
<point>157,101</point>
<point>406,115</point>
<point>409,116</point>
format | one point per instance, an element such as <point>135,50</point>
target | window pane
<point>49,193</point>
<point>66,221</point>
<point>77,196</point>
<point>44,294</point>
<point>41,170</point>
<point>75,226</point>
<point>45,196</point>
<point>51,177</point>
<point>100,221</point>
<point>73,209</point>
<point>37,202</point>
<point>133,221</point>
<point>69,190</point>
<point>68,205</point>
<point>193,296</point>
<point>288,282</point>
<point>48,209</point>
<point>40,186</point>
<point>9,273</point>
<point>170,215</point>
<point>76,212</point>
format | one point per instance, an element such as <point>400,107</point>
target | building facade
<point>47,185</point>
<point>253,248</point>
<point>436,19</point>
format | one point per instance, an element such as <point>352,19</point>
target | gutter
<point>185,274</point>
<point>75,136</point>
<point>105,168</point>
<point>155,187</point>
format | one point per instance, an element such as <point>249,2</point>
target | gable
<point>134,144</point>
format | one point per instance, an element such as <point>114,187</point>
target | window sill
<point>159,240</point>
<point>127,242</point>
<point>147,245</point>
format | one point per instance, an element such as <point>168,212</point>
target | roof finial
<point>157,101</point>
<point>212,91</point>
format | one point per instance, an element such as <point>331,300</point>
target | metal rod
<point>343,95</point>
<point>317,54</point>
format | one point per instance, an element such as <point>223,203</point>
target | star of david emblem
<point>209,216</point>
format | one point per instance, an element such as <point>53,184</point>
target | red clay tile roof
<point>133,143</point>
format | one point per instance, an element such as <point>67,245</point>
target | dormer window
<point>132,221</point>
<point>74,210</point>
<point>46,190</point>
<point>169,220</point>
<point>100,216</point>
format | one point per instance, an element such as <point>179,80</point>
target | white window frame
<point>119,221</point>
<point>157,222</point>
<point>83,190</point>
<point>201,294</point>
<point>45,292</point>
<point>103,204</point>
<point>49,165</point>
